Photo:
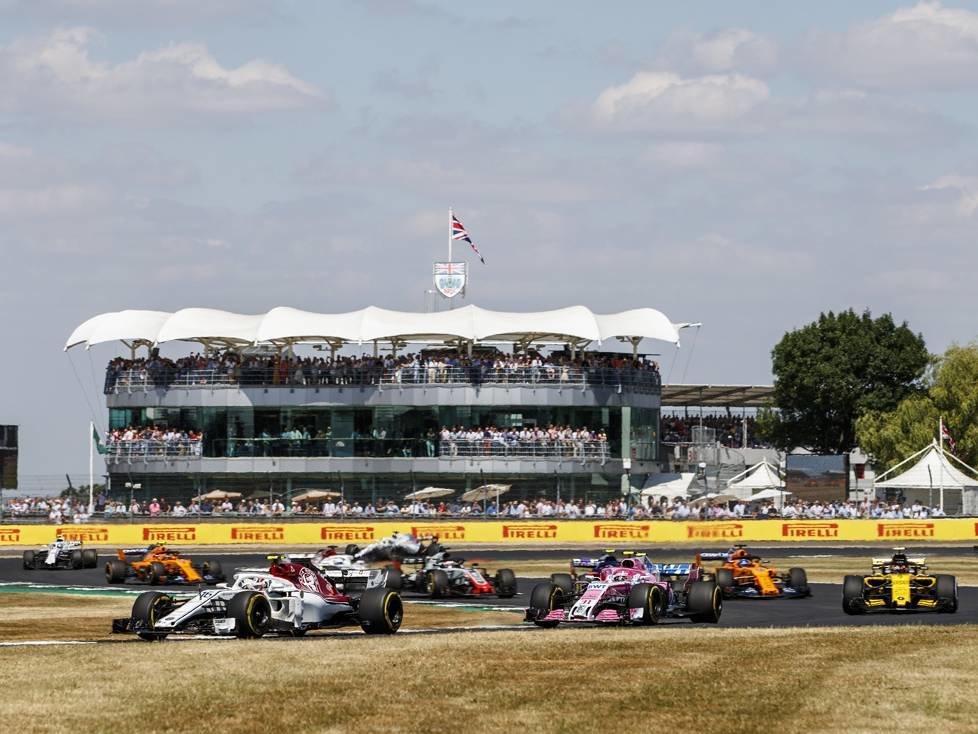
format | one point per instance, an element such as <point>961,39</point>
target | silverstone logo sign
<point>86,535</point>
<point>530,532</point>
<point>169,534</point>
<point>9,535</point>
<point>810,530</point>
<point>905,530</point>
<point>715,531</point>
<point>257,533</point>
<point>622,531</point>
<point>347,532</point>
<point>442,532</point>
<point>449,278</point>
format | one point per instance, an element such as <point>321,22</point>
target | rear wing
<point>676,569</point>
<point>713,556</point>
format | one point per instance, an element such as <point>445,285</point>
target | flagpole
<point>91,466</point>
<point>449,234</point>
<point>941,495</point>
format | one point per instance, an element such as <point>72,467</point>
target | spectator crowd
<point>529,441</point>
<point>729,429</point>
<point>233,368</point>
<point>153,440</point>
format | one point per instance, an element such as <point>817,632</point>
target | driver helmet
<point>743,562</point>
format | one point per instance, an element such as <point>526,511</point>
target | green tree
<point>833,371</point>
<point>951,393</point>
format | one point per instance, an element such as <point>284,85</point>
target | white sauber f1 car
<point>288,599</point>
<point>61,554</point>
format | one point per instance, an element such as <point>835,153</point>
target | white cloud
<point>924,46</point>
<point>663,101</point>
<point>182,78</point>
<point>964,187</point>
<point>729,49</point>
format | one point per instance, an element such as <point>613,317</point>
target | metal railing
<point>495,448</point>
<point>630,379</point>
<point>479,448</point>
<point>147,449</point>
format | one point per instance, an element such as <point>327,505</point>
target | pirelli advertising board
<point>521,532</point>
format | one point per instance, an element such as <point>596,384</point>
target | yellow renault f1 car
<point>899,584</point>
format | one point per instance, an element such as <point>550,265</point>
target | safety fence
<point>631,534</point>
<point>626,379</point>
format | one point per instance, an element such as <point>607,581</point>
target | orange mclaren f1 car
<point>157,564</point>
<point>745,575</point>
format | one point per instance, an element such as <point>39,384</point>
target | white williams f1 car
<point>288,599</point>
<point>61,554</point>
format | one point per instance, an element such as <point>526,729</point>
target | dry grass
<point>911,679</point>
<point>47,616</point>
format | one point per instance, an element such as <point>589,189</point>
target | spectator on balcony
<point>154,508</point>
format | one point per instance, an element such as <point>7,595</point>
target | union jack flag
<point>459,233</point>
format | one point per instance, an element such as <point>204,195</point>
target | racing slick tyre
<point>436,583</point>
<point>650,599</point>
<point>149,607</point>
<point>381,611</point>
<point>29,560</point>
<point>116,571</point>
<point>798,580</point>
<point>351,549</point>
<point>505,583</point>
<point>157,573</point>
<point>947,593</point>
<point>704,602</point>
<point>725,580</point>
<point>213,568</point>
<point>544,599</point>
<point>76,560</point>
<point>89,558</point>
<point>563,581</point>
<point>852,595</point>
<point>251,613</point>
<point>393,578</point>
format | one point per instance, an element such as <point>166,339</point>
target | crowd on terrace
<point>59,511</point>
<point>230,367</point>
<point>151,440</point>
<point>729,429</point>
<point>529,441</point>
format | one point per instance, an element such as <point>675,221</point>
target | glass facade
<point>391,431</point>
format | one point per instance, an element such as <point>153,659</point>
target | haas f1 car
<point>899,584</point>
<point>157,564</point>
<point>61,554</point>
<point>424,566</point>
<point>288,599</point>
<point>631,590</point>
<point>743,575</point>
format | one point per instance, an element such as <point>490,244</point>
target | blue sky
<point>746,165</point>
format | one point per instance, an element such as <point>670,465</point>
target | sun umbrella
<point>428,493</point>
<point>486,492</point>
<point>315,494</point>
<point>218,494</point>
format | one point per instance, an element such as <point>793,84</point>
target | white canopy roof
<point>283,324</point>
<point>769,494</point>
<point>933,469</point>
<point>762,475</point>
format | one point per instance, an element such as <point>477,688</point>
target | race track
<point>822,609</point>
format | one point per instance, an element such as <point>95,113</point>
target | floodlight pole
<point>940,434</point>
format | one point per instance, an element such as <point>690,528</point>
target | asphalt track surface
<point>822,609</point>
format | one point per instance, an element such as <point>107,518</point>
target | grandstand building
<point>456,399</point>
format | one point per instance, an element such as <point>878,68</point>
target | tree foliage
<point>951,393</point>
<point>835,370</point>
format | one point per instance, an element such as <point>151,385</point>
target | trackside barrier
<point>535,532</point>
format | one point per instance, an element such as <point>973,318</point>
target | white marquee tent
<point>761,476</point>
<point>669,486</point>
<point>934,476</point>
<point>575,325</point>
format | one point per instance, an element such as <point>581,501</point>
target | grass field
<point>911,679</point>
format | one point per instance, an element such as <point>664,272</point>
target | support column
<point>626,445</point>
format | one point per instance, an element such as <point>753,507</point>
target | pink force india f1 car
<point>288,599</point>
<point>630,590</point>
